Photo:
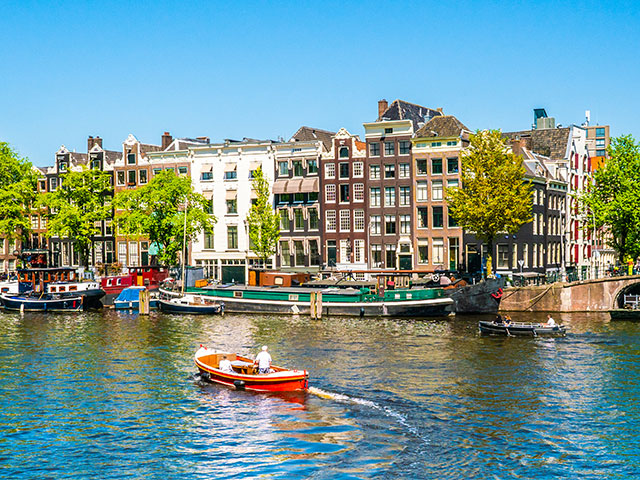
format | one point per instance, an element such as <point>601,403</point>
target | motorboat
<point>192,304</point>
<point>244,375</point>
<point>129,299</point>
<point>41,303</point>
<point>520,328</point>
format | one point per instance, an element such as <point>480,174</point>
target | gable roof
<point>550,142</point>
<point>442,126</point>
<point>305,134</point>
<point>401,110</point>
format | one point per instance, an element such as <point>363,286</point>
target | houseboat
<point>60,282</point>
<point>149,277</point>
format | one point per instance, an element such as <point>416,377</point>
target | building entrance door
<point>405,262</point>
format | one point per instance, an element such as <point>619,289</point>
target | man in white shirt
<point>550,321</point>
<point>225,365</point>
<point>263,359</point>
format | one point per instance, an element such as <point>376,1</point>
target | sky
<point>262,69</point>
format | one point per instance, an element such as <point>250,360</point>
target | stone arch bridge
<point>598,295</point>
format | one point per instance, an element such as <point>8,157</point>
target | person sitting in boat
<point>263,360</point>
<point>225,365</point>
<point>550,321</point>
<point>498,320</point>
<point>507,321</point>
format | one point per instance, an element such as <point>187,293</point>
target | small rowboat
<point>518,328</point>
<point>43,303</point>
<point>245,376</point>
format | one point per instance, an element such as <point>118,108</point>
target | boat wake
<point>390,412</point>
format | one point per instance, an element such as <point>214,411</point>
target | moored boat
<point>149,276</point>
<point>520,328</point>
<point>190,304</point>
<point>129,299</point>
<point>43,303</point>
<point>625,314</point>
<point>245,376</point>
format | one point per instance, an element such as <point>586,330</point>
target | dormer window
<point>62,166</point>
<point>131,159</point>
<point>388,130</point>
<point>344,152</point>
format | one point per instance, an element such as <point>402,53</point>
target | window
<point>120,178</point>
<point>374,149</point>
<point>358,192</point>
<point>314,253</point>
<point>297,168</point>
<point>298,219</point>
<point>388,130</point>
<point>298,249</point>
<point>438,251</point>
<point>298,198</point>
<point>374,172</point>
<point>208,241</point>
<point>600,132</point>
<point>405,223</point>
<point>284,198</point>
<point>376,256</point>
<point>405,147</point>
<point>285,255</point>
<point>232,206</point>
<point>436,166</point>
<point>209,206</point>
<point>436,144</point>
<point>405,196</point>
<point>374,197</point>
<point>331,220</point>
<point>344,193</point>
<point>600,143</point>
<point>452,165</point>
<point>389,196</point>
<point>285,223</point>
<point>514,255</point>
<point>312,167</point>
<point>283,168</point>
<point>452,183</point>
<point>34,222</point>
<point>376,225</point>
<point>421,166</point>
<point>232,237</point>
<point>53,183</point>
<point>43,185</point>
<point>344,170</point>
<point>358,169</point>
<point>131,174</point>
<point>390,171</point>
<point>156,171</point>
<point>503,256</point>
<point>451,221</point>
<point>452,143</point>
<point>143,176</point>
<point>345,220</point>
<point>330,170</point>
<point>389,149</point>
<point>358,221</point>
<point>423,217</point>
<point>390,251</point>
<point>389,224</point>
<point>404,170</point>
<point>344,152</point>
<point>133,254</point>
<point>436,190</point>
<point>423,251</point>
<point>314,221</point>
<point>312,197</point>
<point>330,193</point>
<point>437,217</point>
<point>183,170</point>
<point>231,175</point>
<point>601,153</point>
<point>421,191</point>
<point>345,251</point>
<point>131,159</point>
<point>358,251</point>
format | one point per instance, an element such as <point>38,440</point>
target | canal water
<point>109,396</point>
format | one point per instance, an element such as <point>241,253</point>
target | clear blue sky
<point>262,69</point>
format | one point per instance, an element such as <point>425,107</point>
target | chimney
<point>93,141</point>
<point>203,139</point>
<point>382,107</point>
<point>166,140</point>
<point>439,109</point>
<point>517,144</point>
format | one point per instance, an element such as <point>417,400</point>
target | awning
<point>255,165</point>
<point>231,194</point>
<point>293,186</point>
<point>309,185</point>
<point>206,168</point>
<point>230,167</point>
<point>280,186</point>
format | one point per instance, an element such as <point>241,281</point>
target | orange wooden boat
<point>245,375</point>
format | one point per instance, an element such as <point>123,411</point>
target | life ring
<point>435,277</point>
<point>498,294</point>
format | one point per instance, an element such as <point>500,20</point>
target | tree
<point>264,224</point>
<point>82,200</point>
<point>17,193</point>
<point>494,196</point>
<point>612,202</point>
<point>157,211</point>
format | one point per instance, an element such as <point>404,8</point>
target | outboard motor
<point>239,384</point>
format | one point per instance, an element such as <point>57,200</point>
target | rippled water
<point>108,395</point>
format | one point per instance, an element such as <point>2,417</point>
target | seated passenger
<point>225,365</point>
<point>507,321</point>
<point>550,321</point>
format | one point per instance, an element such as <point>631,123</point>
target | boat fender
<point>239,384</point>
<point>205,376</point>
<point>361,312</point>
<point>497,294</point>
<point>221,308</point>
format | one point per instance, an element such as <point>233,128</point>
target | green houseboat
<point>432,302</point>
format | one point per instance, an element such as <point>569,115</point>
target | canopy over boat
<point>245,377</point>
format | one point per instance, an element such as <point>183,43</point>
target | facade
<point>598,141</point>
<point>342,203</point>
<point>437,239</point>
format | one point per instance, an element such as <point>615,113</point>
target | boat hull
<point>133,305</point>
<point>624,314</point>
<point>482,297</point>
<point>531,330</point>
<point>250,382</point>
<point>169,307</point>
<point>48,305</point>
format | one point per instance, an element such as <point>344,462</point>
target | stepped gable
<point>401,110</point>
<point>550,142</point>
<point>442,126</point>
<point>305,134</point>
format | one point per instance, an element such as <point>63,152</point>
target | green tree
<point>264,224</point>
<point>157,211</point>
<point>18,181</point>
<point>75,208</point>
<point>494,196</point>
<point>612,202</point>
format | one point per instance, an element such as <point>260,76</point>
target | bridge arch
<point>627,289</point>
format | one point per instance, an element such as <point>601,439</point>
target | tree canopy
<point>17,193</point>
<point>264,224</point>
<point>612,202</point>
<point>494,196</point>
<point>157,211</point>
<point>77,206</point>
